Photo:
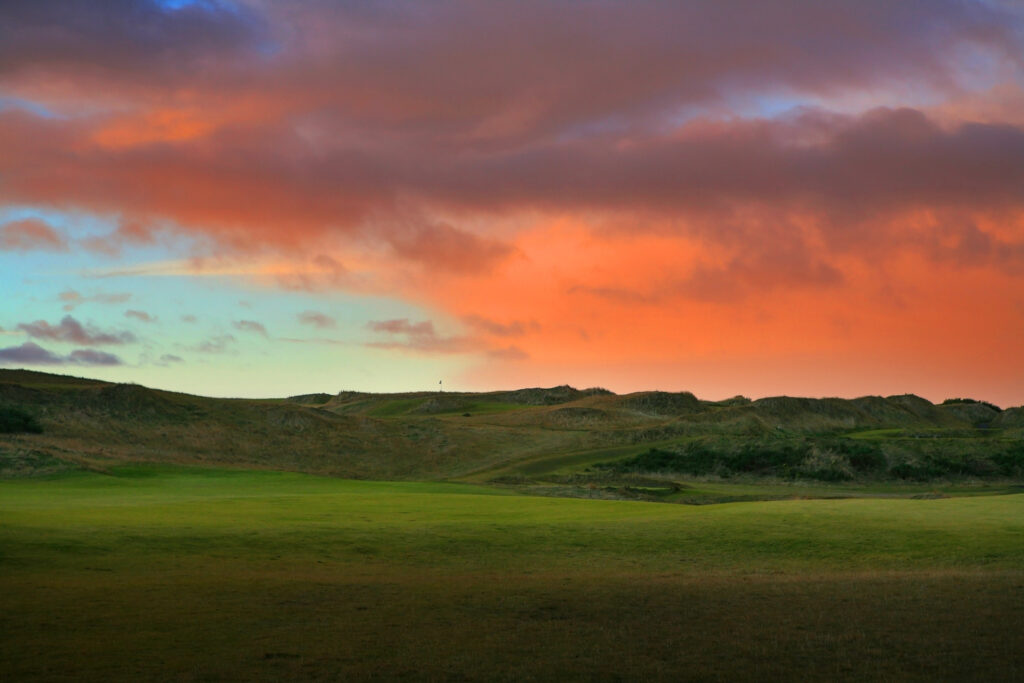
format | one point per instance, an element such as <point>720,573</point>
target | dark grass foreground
<point>168,574</point>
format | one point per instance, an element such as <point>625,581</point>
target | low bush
<point>915,470</point>
<point>863,457</point>
<point>830,458</point>
<point>1010,462</point>
<point>774,458</point>
<point>14,420</point>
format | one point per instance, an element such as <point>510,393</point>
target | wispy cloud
<point>317,319</point>
<point>72,299</point>
<point>514,328</point>
<point>141,316</point>
<point>216,344</point>
<point>422,337</point>
<point>250,326</point>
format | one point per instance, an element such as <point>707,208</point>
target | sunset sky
<point>264,198</point>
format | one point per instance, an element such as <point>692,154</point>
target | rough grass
<point>434,435</point>
<point>192,574</point>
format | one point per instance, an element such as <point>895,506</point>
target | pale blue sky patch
<point>34,108</point>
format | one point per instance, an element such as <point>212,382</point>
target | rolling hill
<point>505,435</point>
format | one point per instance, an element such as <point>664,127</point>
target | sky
<point>757,197</point>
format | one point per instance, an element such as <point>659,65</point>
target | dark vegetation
<point>826,459</point>
<point>14,420</point>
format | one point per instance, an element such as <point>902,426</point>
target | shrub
<point>768,457</point>
<point>694,459</point>
<point>828,458</point>
<point>1010,462</point>
<point>14,420</point>
<point>826,465</point>
<point>916,471</point>
<point>863,457</point>
<point>701,458</point>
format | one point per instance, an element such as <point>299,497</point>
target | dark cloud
<point>470,109</point>
<point>855,166</point>
<point>409,131</point>
<point>30,234</point>
<point>317,319</point>
<point>448,248</point>
<point>31,353</point>
<point>71,331</point>
<point>850,174</point>
<point>140,315</point>
<point>132,40</point>
<point>93,357</point>
<point>250,326</point>
<point>188,319</point>
<point>494,71</point>
<point>499,74</point>
<point>170,358</point>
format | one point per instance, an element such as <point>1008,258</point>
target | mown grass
<point>162,573</point>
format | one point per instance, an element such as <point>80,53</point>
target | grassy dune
<point>70,423</point>
<point>156,573</point>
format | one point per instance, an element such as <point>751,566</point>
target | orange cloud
<point>160,125</point>
<point>612,188</point>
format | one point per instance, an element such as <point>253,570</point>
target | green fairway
<point>193,574</point>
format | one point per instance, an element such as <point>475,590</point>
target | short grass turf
<point>188,574</point>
